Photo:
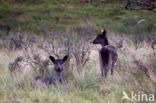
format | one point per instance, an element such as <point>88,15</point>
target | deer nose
<point>59,68</point>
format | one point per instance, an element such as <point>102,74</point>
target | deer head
<point>58,63</point>
<point>101,39</point>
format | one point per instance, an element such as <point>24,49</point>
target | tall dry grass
<point>83,86</point>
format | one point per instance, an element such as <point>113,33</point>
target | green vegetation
<point>38,17</point>
<point>59,14</point>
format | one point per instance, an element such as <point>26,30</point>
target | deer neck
<point>59,76</point>
<point>103,45</point>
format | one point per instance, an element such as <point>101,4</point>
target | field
<point>68,27</point>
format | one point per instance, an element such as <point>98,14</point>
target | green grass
<point>60,14</point>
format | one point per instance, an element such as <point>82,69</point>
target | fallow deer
<point>108,54</point>
<point>58,66</point>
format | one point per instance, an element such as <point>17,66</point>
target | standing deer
<point>58,66</point>
<point>108,54</point>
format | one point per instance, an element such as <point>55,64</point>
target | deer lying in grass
<point>58,66</point>
<point>107,54</point>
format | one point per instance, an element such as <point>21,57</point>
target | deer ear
<point>52,59</point>
<point>65,58</point>
<point>104,32</point>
